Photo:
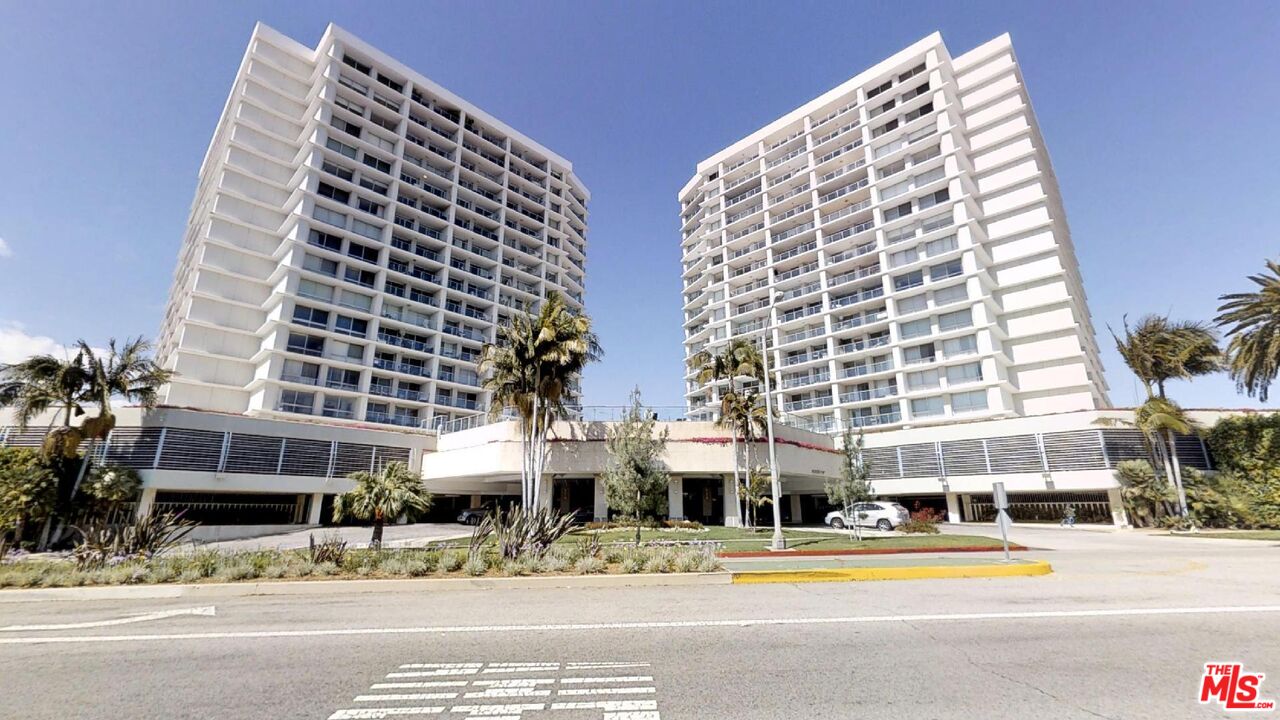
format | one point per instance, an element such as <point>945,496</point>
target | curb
<point>868,551</point>
<point>926,572</point>
<point>339,587</point>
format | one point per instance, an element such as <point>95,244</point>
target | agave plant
<point>522,533</point>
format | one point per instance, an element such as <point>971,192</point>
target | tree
<point>755,491</point>
<point>1252,320</point>
<point>739,358</point>
<point>635,478</point>
<point>744,415</point>
<point>534,367</point>
<point>28,491</point>
<point>854,484</point>
<point>41,383</point>
<point>1157,350</point>
<point>111,487</point>
<point>387,494</point>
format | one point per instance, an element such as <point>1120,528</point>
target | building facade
<point>357,234</point>
<point>901,242</point>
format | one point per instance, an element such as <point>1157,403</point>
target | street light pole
<point>779,542</point>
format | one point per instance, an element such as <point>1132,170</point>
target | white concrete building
<point>357,234</point>
<point>901,240</point>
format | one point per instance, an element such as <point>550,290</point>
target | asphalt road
<point>1121,630</point>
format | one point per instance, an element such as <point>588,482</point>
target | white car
<point>879,514</point>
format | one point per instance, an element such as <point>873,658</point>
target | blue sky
<point>1160,120</point>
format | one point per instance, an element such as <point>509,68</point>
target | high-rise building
<point>901,241</point>
<point>357,234</point>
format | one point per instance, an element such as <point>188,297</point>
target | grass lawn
<point>1273,535</point>
<point>739,539</point>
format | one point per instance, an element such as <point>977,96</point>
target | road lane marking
<point>608,691</point>
<point>608,705</point>
<point>208,611</point>
<point>379,713</point>
<point>641,625</point>
<point>399,697</point>
<point>418,685</point>
<point>620,678</point>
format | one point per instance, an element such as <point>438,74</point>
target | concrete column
<point>953,507</point>
<point>675,498</point>
<point>145,502</point>
<point>317,503</point>
<point>1119,517</point>
<point>476,501</point>
<point>732,511</point>
<point>600,509</point>
<point>966,502</point>
<point>795,509</point>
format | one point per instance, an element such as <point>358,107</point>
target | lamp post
<point>779,542</point>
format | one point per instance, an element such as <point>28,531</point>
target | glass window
<point>915,303</point>
<point>969,401</point>
<point>895,190</point>
<point>351,326</point>
<point>356,300</point>
<point>310,317</point>
<point>924,407</point>
<point>903,257</point>
<point>967,373</point>
<point>320,265</point>
<point>936,222</point>
<point>306,344</point>
<point>315,290</point>
<point>341,148</point>
<point>909,280</point>
<point>333,193</point>
<point>925,178</point>
<point>953,294</point>
<point>915,329</point>
<point>368,230</point>
<point>966,345</point>
<point>918,353</point>
<point>297,401</point>
<point>337,170</point>
<point>325,215</point>
<point>954,320</point>
<point>900,211</point>
<point>363,252</point>
<point>922,379</point>
<point>298,371</point>
<point>945,270</point>
<point>325,240</point>
<point>941,245</point>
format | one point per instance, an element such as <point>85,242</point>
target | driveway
<point>415,535</point>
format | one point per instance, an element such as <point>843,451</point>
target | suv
<point>473,516</point>
<point>880,514</point>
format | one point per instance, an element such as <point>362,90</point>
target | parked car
<point>473,516</point>
<point>879,514</point>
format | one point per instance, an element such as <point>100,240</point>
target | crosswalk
<point>510,691</point>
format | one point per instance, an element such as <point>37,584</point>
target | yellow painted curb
<point>921,572</point>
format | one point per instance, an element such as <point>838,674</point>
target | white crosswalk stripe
<point>538,691</point>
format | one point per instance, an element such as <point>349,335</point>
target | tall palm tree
<point>534,367</point>
<point>41,383</point>
<point>1157,350</point>
<point>1254,328</point>
<point>744,415</point>
<point>127,373</point>
<point>387,494</point>
<point>740,358</point>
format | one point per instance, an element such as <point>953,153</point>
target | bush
<point>923,521</point>
<point>451,561</point>
<point>475,565</point>
<point>1246,453</point>
<point>589,566</point>
<point>330,549</point>
<point>146,537</point>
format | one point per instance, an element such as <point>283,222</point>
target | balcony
<point>871,420</point>
<point>870,394</point>
<point>804,357</point>
<point>388,419</point>
<point>866,369</point>
<point>807,403</point>
<point>797,381</point>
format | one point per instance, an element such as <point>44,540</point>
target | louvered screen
<point>1075,450</point>
<point>964,457</point>
<point>1191,453</point>
<point>883,462</point>
<point>305,457</point>
<point>383,454</point>
<point>1014,454</point>
<point>920,460</point>
<point>254,454</point>
<point>1124,444</point>
<point>132,447</point>
<point>31,437</point>
<point>186,449</point>
<point>352,457</point>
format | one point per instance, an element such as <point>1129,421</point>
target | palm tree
<point>534,367</point>
<point>388,494</point>
<point>739,358</point>
<point>1254,318</point>
<point>744,415</point>
<point>1157,350</point>
<point>41,383</point>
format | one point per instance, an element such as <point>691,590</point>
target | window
<point>369,206</point>
<point>955,320</point>
<point>380,143</point>
<point>355,300</point>
<point>954,347</point>
<point>895,190</point>
<point>969,401</point>
<point>915,329</point>
<point>967,373</point>
<point>373,185</point>
<point>315,290</point>
<point>310,317</point>
<point>941,245</point>
<point>369,230</point>
<point>909,280</point>
<point>900,211</point>
<point>936,222</point>
<point>341,148</point>
<point>953,294</point>
<point>300,372</point>
<point>922,379</point>
<point>903,257</point>
<point>924,407</point>
<point>297,401</point>
<point>932,199</point>
<point>305,344</point>
<point>339,407</point>
<point>325,240</point>
<point>915,303</point>
<point>352,62</point>
<point>376,163</point>
<point>899,235</point>
<point>320,265</point>
<point>398,87</point>
<point>349,128</point>
<point>945,270</point>
<point>918,354</point>
<point>351,326</point>
<point>325,215</point>
<point>333,193</point>
<point>880,88</point>
<point>348,105</point>
<point>362,252</point>
<point>343,379</point>
<point>360,277</point>
<point>351,351</point>
<point>337,170</point>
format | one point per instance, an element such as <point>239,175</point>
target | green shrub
<point>452,560</point>
<point>589,566</point>
<point>632,564</point>
<point>659,561</point>
<point>556,562</point>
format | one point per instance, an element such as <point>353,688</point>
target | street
<point>1120,630</point>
